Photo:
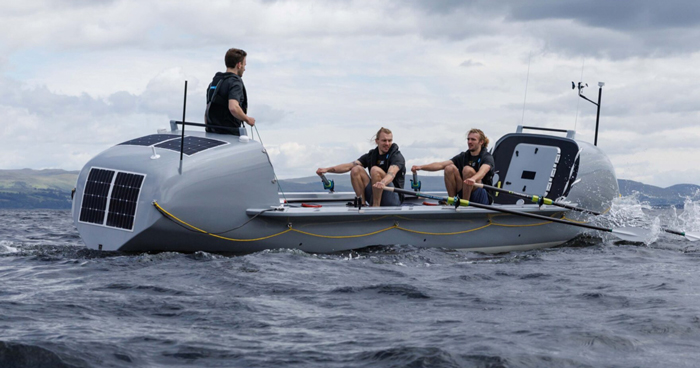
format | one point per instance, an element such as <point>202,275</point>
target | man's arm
<point>390,175</point>
<point>338,169</point>
<point>388,178</point>
<point>435,166</point>
<point>237,111</point>
<point>483,170</point>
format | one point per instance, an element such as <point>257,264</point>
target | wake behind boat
<point>222,196</point>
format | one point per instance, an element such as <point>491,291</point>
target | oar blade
<point>692,236</point>
<point>632,234</point>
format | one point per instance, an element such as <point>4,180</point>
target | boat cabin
<point>535,164</point>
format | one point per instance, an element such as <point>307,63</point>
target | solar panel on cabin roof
<point>149,140</point>
<point>192,144</point>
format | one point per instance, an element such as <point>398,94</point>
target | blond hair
<point>482,137</point>
<point>380,131</point>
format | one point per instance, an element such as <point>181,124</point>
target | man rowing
<point>386,166</point>
<point>475,165</point>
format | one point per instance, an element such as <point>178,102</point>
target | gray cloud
<point>267,114</point>
<point>619,15</point>
<point>470,63</point>
<point>597,28</point>
<point>424,69</point>
<point>637,15</point>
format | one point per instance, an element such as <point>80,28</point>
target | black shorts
<point>388,198</point>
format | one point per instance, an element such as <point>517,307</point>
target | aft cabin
<point>536,164</point>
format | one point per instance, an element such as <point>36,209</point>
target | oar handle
<point>327,184</point>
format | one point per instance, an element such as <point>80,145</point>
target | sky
<point>79,76</point>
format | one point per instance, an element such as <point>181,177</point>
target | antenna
<point>578,102</point>
<point>182,140</point>
<point>527,79</point>
<point>581,86</point>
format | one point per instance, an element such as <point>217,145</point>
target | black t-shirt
<point>231,88</point>
<point>393,157</point>
<point>466,159</point>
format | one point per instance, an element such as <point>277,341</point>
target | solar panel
<point>123,200</point>
<point>149,140</point>
<point>192,144</point>
<point>111,200</point>
<point>94,204</point>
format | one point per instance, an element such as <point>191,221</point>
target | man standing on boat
<point>227,102</point>
<point>467,168</point>
<point>386,166</point>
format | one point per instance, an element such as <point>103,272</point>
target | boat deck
<point>336,205</point>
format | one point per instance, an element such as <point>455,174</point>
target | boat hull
<point>224,199</point>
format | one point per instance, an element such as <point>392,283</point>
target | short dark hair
<point>233,57</point>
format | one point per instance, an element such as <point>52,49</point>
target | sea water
<point>593,302</point>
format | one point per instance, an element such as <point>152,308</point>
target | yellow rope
<point>344,236</point>
<point>215,235</point>
<point>574,221</point>
<point>585,222</point>
<point>454,233</point>
<point>395,226</point>
<point>177,219</point>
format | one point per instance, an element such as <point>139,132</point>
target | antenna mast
<point>581,86</point>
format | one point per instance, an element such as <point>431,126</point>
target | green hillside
<point>28,188</point>
<point>11,180</point>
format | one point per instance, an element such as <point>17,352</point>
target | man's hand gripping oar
<point>632,234</point>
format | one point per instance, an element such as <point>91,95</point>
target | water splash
<point>631,212</point>
<point>689,219</point>
<point>628,211</point>
<point>7,247</point>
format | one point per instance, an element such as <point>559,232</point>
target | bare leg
<point>377,175</point>
<point>467,173</point>
<point>453,182</point>
<point>359,180</point>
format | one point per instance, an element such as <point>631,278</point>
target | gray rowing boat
<point>222,196</point>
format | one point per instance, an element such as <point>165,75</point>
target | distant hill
<point>674,195</point>
<point>51,189</point>
<point>29,188</point>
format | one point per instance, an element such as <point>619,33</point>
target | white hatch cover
<point>532,169</point>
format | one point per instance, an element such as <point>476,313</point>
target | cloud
<point>64,131</point>
<point>621,15</point>
<point>616,30</point>
<point>79,76</point>
<point>470,63</point>
<point>268,114</point>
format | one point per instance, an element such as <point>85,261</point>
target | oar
<point>632,234</point>
<point>536,199</point>
<point>687,235</point>
<point>543,200</point>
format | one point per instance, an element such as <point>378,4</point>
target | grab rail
<point>569,133</point>
<point>174,124</point>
